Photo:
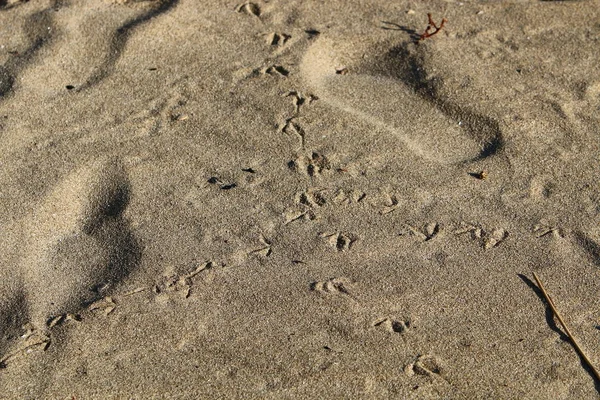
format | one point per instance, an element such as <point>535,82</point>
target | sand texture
<point>298,199</point>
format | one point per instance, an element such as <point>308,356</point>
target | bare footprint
<point>377,92</point>
<point>78,242</point>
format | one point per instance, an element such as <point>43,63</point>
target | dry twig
<point>567,331</point>
<point>432,24</point>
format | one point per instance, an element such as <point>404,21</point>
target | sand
<point>297,199</point>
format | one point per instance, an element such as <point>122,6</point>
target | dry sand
<point>285,199</point>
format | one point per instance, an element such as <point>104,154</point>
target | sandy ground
<point>298,199</point>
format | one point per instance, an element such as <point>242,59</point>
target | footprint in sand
<point>386,85</point>
<point>426,365</point>
<point>78,243</point>
<point>87,38</point>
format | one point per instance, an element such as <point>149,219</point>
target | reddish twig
<point>432,24</point>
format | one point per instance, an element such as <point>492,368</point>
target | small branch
<point>431,25</point>
<point>562,323</point>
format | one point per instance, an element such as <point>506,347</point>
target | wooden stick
<point>567,331</point>
<point>432,24</point>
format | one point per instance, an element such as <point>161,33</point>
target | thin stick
<point>571,338</point>
<point>432,24</point>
